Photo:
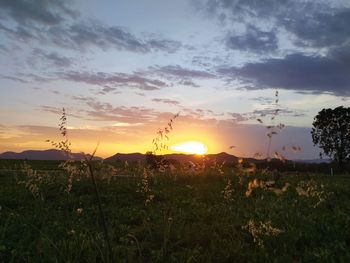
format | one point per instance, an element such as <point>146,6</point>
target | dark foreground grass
<point>188,221</point>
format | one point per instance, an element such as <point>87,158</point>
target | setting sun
<point>191,147</point>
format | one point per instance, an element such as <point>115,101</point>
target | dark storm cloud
<point>295,72</point>
<point>253,40</point>
<point>114,80</point>
<point>42,11</point>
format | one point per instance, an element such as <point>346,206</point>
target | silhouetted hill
<point>49,155</point>
<point>222,157</point>
<point>130,157</point>
<point>313,161</point>
<point>180,157</point>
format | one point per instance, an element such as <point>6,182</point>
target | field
<point>220,214</point>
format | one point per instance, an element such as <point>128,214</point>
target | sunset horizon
<point>121,73</point>
<point>174,131</point>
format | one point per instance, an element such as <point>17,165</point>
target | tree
<point>331,132</point>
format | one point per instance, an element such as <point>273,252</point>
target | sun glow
<point>191,147</point>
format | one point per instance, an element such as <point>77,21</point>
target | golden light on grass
<point>191,147</point>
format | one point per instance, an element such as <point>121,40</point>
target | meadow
<point>210,213</point>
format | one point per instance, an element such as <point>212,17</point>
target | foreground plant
<point>144,187</point>
<point>156,163</point>
<point>311,189</point>
<point>258,230</point>
<point>76,169</point>
<point>36,182</point>
<point>228,191</point>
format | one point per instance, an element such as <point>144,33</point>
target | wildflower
<point>80,210</point>
<point>260,229</point>
<point>313,191</point>
<point>228,191</point>
<point>144,187</point>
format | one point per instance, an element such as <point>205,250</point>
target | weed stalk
<point>99,203</point>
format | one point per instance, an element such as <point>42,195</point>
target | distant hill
<point>130,157</point>
<point>313,161</point>
<point>49,155</point>
<point>220,157</point>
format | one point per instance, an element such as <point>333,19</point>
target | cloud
<point>160,44</point>
<point>237,117</point>
<point>104,111</point>
<point>51,109</point>
<point>94,109</point>
<point>263,100</point>
<point>110,82</point>
<point>20,33</point>
<point>90,34</point>
<point>167,101</point>
<point>46,12</point>
<point>113,80</point>
<point>295,72</point>
<point>274,112</point>
<point>58,111</point>
<point>51,58</point>
<point>253,40</point>
<point>180,72</point>
<point>189,83</point>
<point>55,22</point>
<point>315,24</point>
<point>3,49</point>
<point>18,79</point>
<point>108,90</point>
<point>323,29</point>
<point>95,34</point>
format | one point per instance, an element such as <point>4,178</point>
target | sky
<point>122,69</point>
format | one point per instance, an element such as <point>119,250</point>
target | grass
<point>189,219</point>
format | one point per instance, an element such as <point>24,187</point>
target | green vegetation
<point>331,132</point>
<point>202,214</point>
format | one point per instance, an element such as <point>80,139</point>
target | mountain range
<point>45,155</point>
<point>220,157</point>
<point>54,154</point>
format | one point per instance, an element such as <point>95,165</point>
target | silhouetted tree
<point>331,132</point>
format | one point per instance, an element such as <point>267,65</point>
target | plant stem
<point>100,209</point>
